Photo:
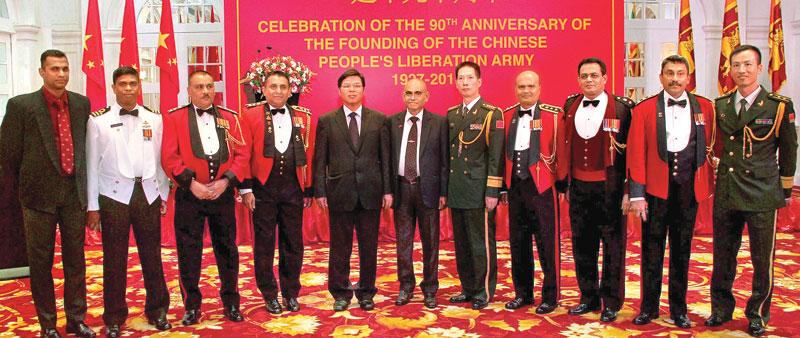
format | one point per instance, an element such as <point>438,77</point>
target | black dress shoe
<point>715,320</point>
<point>366,304</point>
<point>430,301</point>
<point>191,317</point>
<point>113,331</point>
<point>273,306</point>
<point>682,321</point>
<point>292,304</point>
<point>233,314</point>
<point>79,329</point>
<point>583,308</point>
<point>340,305</point>
<point>518,302</point>
<point>478,304</point>
<point>545,308</point>
<point>755,328</point>
<point>644,318</point>
<point>608,315</point>
<point>161,323</point>
<point>460,298</point>
<point>50,333</point>
<point>403,298</point>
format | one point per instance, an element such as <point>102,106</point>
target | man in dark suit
<point>351,180</point>
<point>42,146</point>
<point>754,126</point>
<point>419,186</point>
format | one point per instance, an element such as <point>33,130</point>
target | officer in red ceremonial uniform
<point>529,169</point>
<point>204,152</point>
<point>591,164</point>
<point>669,176</point>
<point>279,188</point>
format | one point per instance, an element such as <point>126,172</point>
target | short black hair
<point>674,59</point>
<point>124,70</point>
<point>470,64</point>
<point>199,71</point>
<point>51,53</point>
<point>276,73</point>
<point>591,60</point>
<point>743,48</point>
<point>348,73</point>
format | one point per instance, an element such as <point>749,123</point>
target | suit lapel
<point>726,115</point>
<point>223,141</point>
<point>533,144</point>
<point>269,135</point>
<point>194,133</point>
<point>366,124</point>
<point>661,127</point>
<point>296,139</point>
<point>77,123</point>
<point>700,131</point>
<point>512,134</point>
<point>426,131</point>
<point>45,123</point>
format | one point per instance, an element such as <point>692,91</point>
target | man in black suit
<point>419,187</point>
<point>42,146</point>
<point>351,176</point>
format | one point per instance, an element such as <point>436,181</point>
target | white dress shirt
<point>678,121</point>
<point>282,124</point>
<point>208,132</point>
<point>589,119</point>
<point>472,103</point>
<point>403,142</point>
<point>750,99</point>
<point>133,141</point>
<point>523,138</point>
<point>347,112</point>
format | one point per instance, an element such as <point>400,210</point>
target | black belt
<point>403,179</point>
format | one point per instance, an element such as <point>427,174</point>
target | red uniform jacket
<point>182,153</point>
<point>544,127</point>
<point>647,147</point>
<point>257,122</point>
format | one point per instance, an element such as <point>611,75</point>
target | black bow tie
<point>523,112</point>
<point>594,103</point>
<point>671,102</point>
<point>209,111</point>
<point>134,112</point>
<point>277,111</point>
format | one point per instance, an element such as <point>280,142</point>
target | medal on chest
<point>147,131</point>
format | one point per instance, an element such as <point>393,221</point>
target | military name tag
<point>116,125</point>
<point>475,126</point>
<point>764,121</point>
<point>536,124</point>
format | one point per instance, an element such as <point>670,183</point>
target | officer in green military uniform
<point>476,150</point>
<point>753,125</point>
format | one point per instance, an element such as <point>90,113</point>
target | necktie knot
<point>523,112</point>
<point>671,102</point>
<point>277,111</point>
<point>413,119</point>
<point>134,112</point>
<point>594,103</point>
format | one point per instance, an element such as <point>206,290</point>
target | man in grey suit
<point>419,186</point>
<point>351,177</point>
<point>42,146</point>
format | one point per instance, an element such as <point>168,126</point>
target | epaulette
<point>778,97</point>
<point>573,96</point>
<point>454,107</point>
<point>726,95</point>
<point>702,97</point>
<point>251,105</point>
<point>178,108</point>
<point>150,110</point>
<point>301,109</point>
<point>100,111</point>
<point>550,108</point>
<point>228,110</point>
<point>625,100</point>
<point>488,106</point>
<point>512,107</point>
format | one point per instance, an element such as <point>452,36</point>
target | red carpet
<point>17,316</point>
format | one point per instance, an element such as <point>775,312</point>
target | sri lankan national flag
<point>686,43</point>
<point>777,60</point>
<point>730,40</point>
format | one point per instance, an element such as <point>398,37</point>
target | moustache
<point>674,83</point>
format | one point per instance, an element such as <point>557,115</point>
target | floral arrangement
<point>299,74</point>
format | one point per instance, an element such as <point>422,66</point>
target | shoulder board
<point>625,100</point>
<point>726,95</point>
<point>649,97</point>
<point>251,105</point>
<point>454,107</point>
<point>778,97</point>
<point>512,107</point>
<point>228,110</point>
<point>100,111</point>
<point>150,110</point>
<point>573,96</point>
<point>701,97</point>
<point>488,106</point>
<point>550,108</point>
<point>301,109</point>
<point>178,108</point>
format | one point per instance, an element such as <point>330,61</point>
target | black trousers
<point>279,202</point>
<point>40,238</point>
<point>533,215</point>
<point>117,219</point>
<point>409,211</point>
<point>596,217</point>
<point>476,251</point>
<point>190,217</point>
<point>673,217</point>
<point>342,223</point>
<point>728,227</point>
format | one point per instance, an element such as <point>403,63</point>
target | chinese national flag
<point>92,64</point>
<point>167,60</point>
<point>730,40</point>
<point>129,46</point>
<point>686,43</point>
<point>777,60</point>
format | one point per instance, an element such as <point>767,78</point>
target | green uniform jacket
<point>475,157</point>
<point>749,179</point>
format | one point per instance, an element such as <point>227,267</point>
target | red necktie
<point>65,139</point>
